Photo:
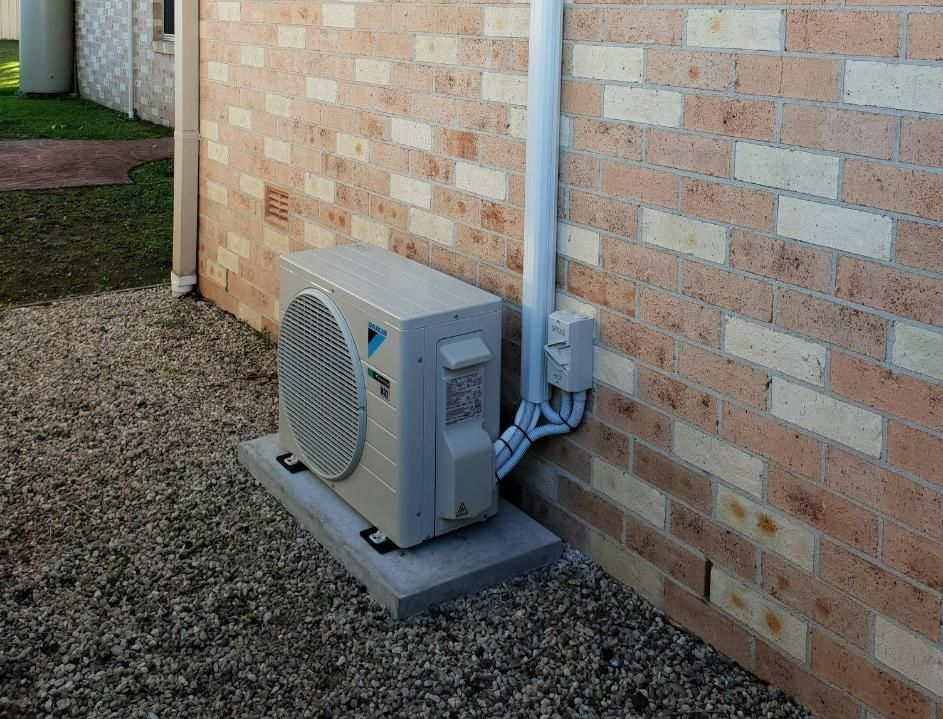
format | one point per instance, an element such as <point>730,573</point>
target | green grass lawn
<point>24,118</point>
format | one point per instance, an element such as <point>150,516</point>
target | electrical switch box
<point>569,350</point>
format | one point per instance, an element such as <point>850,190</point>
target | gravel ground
<point>144,574</point>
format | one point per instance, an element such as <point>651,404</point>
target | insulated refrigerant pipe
<point>540,192</point>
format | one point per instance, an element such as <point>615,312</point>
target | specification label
<point>463,397</point>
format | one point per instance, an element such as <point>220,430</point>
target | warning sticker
<point>463,396</point>
<point>462,510</point>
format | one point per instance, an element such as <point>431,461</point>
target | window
<point>168,17</point>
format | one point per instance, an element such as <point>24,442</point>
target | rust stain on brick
<point>714,25</point>
<point>772,622</point>
<point>766,524</point>
<point>822,609</point>
<point>737,601</point>
<point>694,72</point>
<point>737,510</point>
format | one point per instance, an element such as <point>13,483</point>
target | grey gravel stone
<point>143,573</point>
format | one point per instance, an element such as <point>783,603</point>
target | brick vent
<point>276,206</point>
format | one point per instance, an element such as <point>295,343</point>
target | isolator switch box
<point>570,350</point>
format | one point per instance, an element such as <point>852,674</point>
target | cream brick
<point>437,48</point>
<point>613,369</point>
<point>291,36</point>
<point>604,62</point>
<point>683,234</point>
<point>319,187</point>
<point>278,105</point>
<point>228,259</point>
<point>413,134</point>
<point>337,15</point>
<point>787,169</point>
<point>252,55</point>
<point>578,243</point>
<point>239,244</point>
<point>356,148</point>
<point>767,619</point>
<point>217,153</point>
<point>627,567</point>
<point>517,122</point>
<point>275,240</point>
<point>364,229</point>
<point>432,227</point>
<point>501,87</point>
<point>841,228</point>
<point>410,191</point>
<point>317,88</point>
<point>774,530</point>
<point>506,21</point>
<point>209,130</point>
<point>252,186</point>
<point>376,72</point>
<point>217,71</point>
<point>640,104</point>
<point>228,11</point>
<point>215,273</point>
<point>217,193</point>
<point>739,28</point>
<point>317,236</point>
<point>573,304</point>
<point>832,418</point>
<point>249,315</point>
<point>480,180</point>
<point>277,150</point>
<point>240,117</point>
<point>718,457</point>
<point>909,654</point>
<point>765,346</point>
<point>900,86</point>
<point>632,493</point>
<point>918,349</point>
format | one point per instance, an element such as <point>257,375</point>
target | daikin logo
<point>375,337</point>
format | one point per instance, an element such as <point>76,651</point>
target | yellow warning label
<point>462,510</point>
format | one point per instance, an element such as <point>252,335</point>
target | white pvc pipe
<point>540,192</point>
<point>131,59</point>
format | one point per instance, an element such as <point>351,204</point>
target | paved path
<point>43,164</point>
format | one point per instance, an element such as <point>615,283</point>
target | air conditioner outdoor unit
<point>389,383</point>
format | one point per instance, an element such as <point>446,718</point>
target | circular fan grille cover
<point>321,385</point>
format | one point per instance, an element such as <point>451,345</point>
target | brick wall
<point>751,205</point>
<point>102,57</point>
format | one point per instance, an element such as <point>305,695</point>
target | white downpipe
<point>540,192</point>
<point>131,59</point>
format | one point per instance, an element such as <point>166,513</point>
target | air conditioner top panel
<point>411,295</point>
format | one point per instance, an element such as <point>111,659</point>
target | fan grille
<point>321,385</point>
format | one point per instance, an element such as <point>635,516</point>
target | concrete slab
<point>405,582</point>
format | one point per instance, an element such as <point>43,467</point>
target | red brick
<point>664,473</point>
<point>725,289</point>
<point>842,33</point>
<point>721,545</point>
<point>568,528</point>
<point>823,701</point>
<point>752,119</point>
<point>666,554</point>
<point>645,25</point>
<point>896,394</point>
<point>916,452</point>
<point>601,288</point>
<point>640,263</point>
<point>507,285</point>
<point>880,589</point>
<point>925,36</point>
<point>457,143</point>
<point>915,556</point>
<point>894,291</point>
<point>679,399</point>
<point>584,24</point>
<point>803,78</point>
<point>783,261</point>
<point>580,98</point>
<point>921,141</point>
<point>611,445</point>
<point>409,246</point>
<point>579,170</point>
<point>728,203</point>
<point>631,417</point>
<point>636,341</point>
<point>785,446</point>
<point>857,133</point>
<point>823,510</point>
<point>456,205</point>
<point>706,622</point>
<point>607,138</point>
<point>673,314</point>
<point>843,326</point>
<point>588,506</point>
<point>605,213</point>
<point>708,156</point>
<point>482,245</point>
<point>681,68</point>
<point>568,456</point>
<point>639,183</point>
<point>806,594</point>
<point>502,219</point>
<point>910,192</point>
<point>723,375</point>
<point>911,503</point>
